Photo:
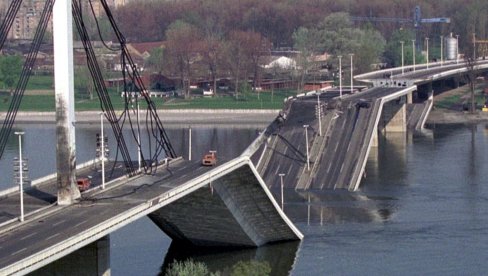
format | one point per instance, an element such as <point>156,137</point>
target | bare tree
<point>182,47</point>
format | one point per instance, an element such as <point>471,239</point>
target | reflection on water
<point>278,258</point>
<point>326,207</point>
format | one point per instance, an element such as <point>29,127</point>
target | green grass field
<point>249,101</point>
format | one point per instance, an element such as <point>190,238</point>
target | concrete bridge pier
<point>394,116</point>
<point>93,259</point>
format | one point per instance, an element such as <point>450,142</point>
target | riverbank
<point>231,116</point>
<point>177,116</point>
<point>445,116</point>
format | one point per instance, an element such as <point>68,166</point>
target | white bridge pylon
<point>65,107</point>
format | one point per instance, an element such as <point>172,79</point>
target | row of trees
<point>191,52</point>
<point>277,20</point>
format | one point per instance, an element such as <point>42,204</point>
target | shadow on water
<point>279,257</point>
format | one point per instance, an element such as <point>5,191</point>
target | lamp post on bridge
<point>282,198</point>
<point>413,51</point>
<point>427,41</point>
<point>442,50</point>
<point>457,49</point>
<point>102,149</point>
<point>189,143</point>
<point>21,177</point>
<point>474,46</point>
<point>352,87</point>
<point>340,76</point>
<point>306,145</point>
<point>403,71</point>
<point>319,114</point>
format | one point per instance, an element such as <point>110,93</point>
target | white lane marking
<point>81,223</point>
<point>17,252</point>
<point>30,235</point>
<point>50,237</point>
<point>328,169</point>
<point>59,222</point>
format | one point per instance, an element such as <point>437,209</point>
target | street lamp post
<point>457,49</point>
<point>138,137</point>
<point>403,70</point>
<point>21,177</point>
<point>427,41</point>
<point>442,50</point>
<point>282,198</point>
<point>319,114</point>
<point>413,56</point>
<point>306,146</point>
<point>474,46</point>
<point>340,76</point>
<point>189,143</point>
<point>102,149</point>
<point>352,87</point>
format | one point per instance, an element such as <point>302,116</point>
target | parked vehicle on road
<point>83,183</point>
<point>209,159</point>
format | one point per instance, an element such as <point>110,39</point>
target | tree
<point>308,42</point>
<point>212,54</point>
<point>237,56</point>
<point>182,48</point>
<point>257,47</point>
<point>155,60</point>
<point>341,38</point>
<point>83,82</point>
<point>10,69</point>
<point>369,51</point>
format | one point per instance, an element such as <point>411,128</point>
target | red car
<point>83,183</point>
<point>209,159</point>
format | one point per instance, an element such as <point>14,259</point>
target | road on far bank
<point>180,116</point>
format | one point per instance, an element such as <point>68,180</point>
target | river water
<point>422,208</point>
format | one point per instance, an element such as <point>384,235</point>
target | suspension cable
<point>162,139</point>
<point>25,75</point>
<point>105,102</point>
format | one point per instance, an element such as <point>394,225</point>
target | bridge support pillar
<point>64,92</point>
<point>93,259</point>
<point>394,116</point>
<point>410,97</point>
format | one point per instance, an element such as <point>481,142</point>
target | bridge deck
<point>337,157</point>
<point>61,230</point>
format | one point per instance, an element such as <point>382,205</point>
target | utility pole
<point>427,41</point>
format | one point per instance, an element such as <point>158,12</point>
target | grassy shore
<point>43,101</point>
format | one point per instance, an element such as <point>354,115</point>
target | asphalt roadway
<point>347,135</point>
<point>421,72</point>
<point>35,235</point>
<point>39,197</point>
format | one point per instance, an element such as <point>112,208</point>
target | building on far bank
<point>28,16</point>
